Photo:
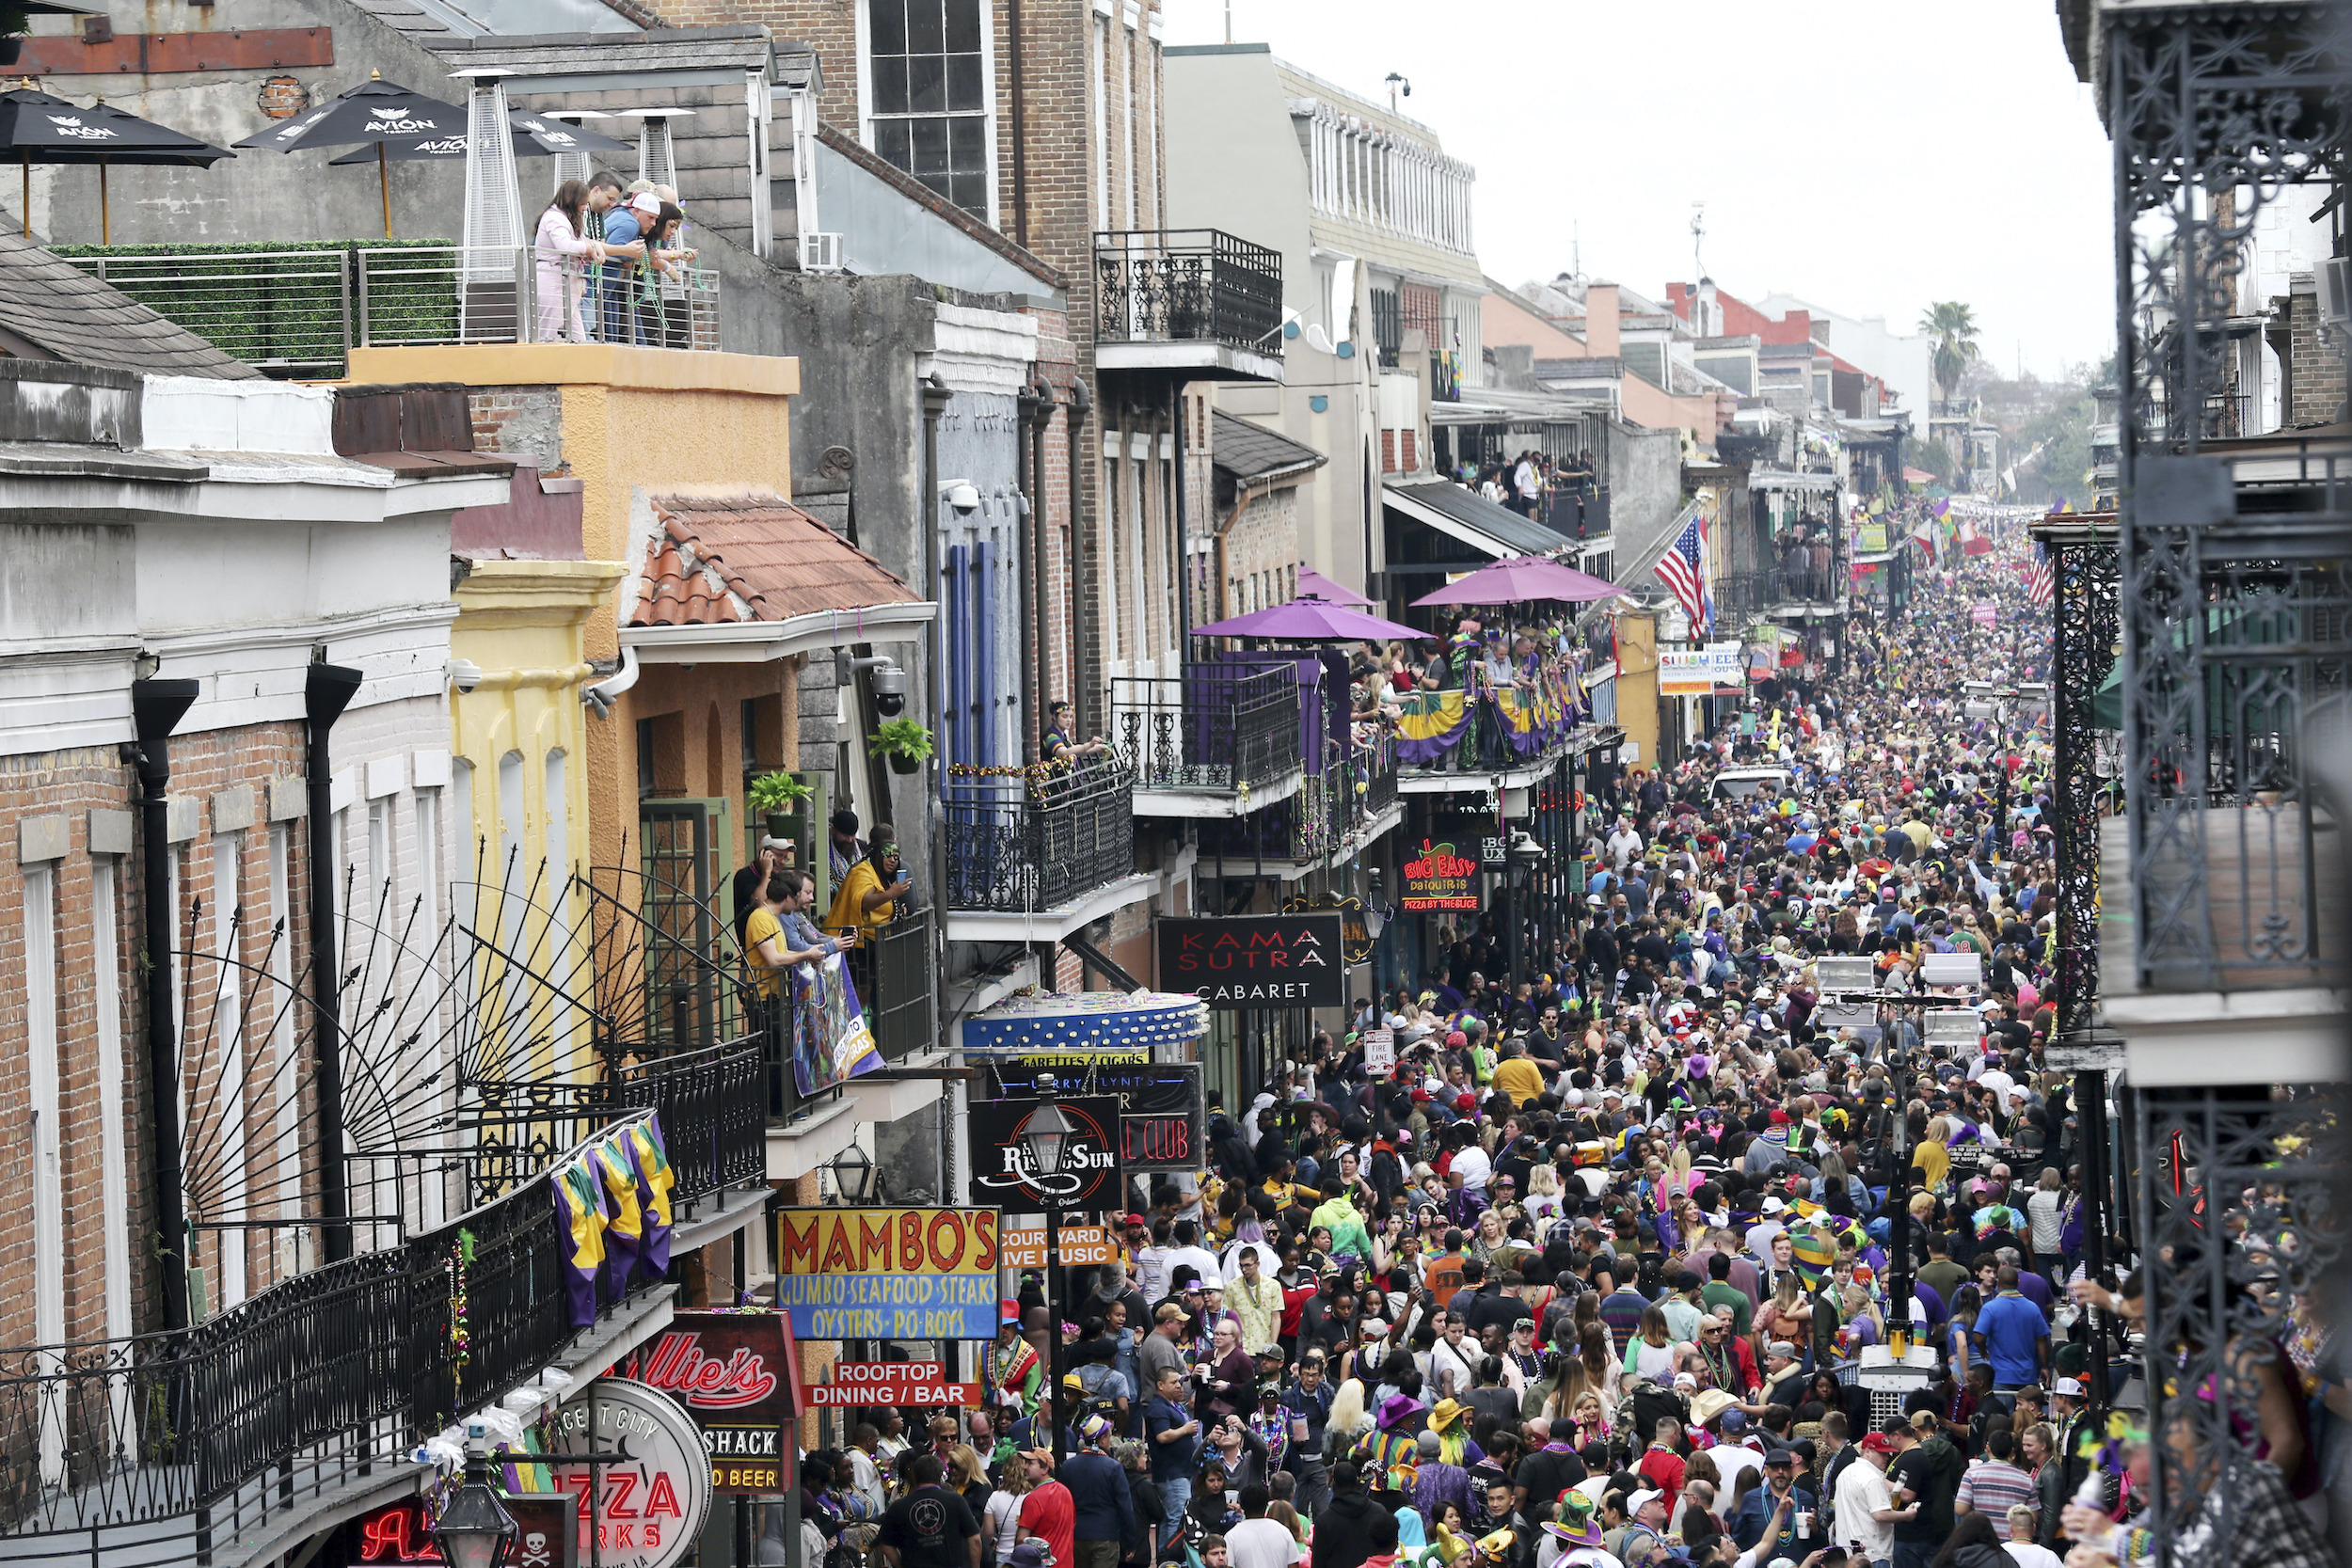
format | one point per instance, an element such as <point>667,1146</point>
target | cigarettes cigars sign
<point>735,1373</point>
<point>1237,962</point>
<point>1439,879</point>
<point>888,1274</point>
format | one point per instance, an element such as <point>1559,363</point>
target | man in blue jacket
<point>2013,1335</point>
<point>1105,1509</point>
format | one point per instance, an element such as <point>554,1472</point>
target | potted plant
<point>904,742</point>
<point>15,22</point>
<point>780,797</point>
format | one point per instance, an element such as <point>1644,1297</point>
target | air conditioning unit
<point>821,253</point>
<point>2335,292</point>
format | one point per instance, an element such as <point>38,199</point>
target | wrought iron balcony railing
<point>1759,592</point>
<point>161,1448</point>
<point>1187,285</point>
<point>1227,726</point>
<point>1017,843</point>
<point>896,984</point>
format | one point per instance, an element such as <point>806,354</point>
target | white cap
<point>1640,1500</point>
<point>2071,1387</point>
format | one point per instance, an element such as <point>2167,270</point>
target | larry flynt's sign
<point>1237,962</point>
<point>1004,1169</point>
<point>1163,1121</point>
<point>735,1374</point>
<point>888,1274</point>
<point>1439,879</point>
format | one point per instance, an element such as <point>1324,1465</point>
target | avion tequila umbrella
<point>376,111</point>
<point>43,128</point>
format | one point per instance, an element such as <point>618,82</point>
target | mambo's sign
<point>863,1385</point>
<point>1439,879</point>
<point>888,1274</point>
<point>1259,960</point>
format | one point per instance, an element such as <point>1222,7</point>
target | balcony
<point>241,1436</point>
<point>1482,737</point>
<point>1776,589</point>
<point>1033,854</point>
<point>1219,740</point>
<point>300,311</point>
<point>1336,813</point>
<point>1194,301</point>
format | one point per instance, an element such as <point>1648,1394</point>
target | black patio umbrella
<point>40,128</point>
<point>536,137</point>
<point>376,111</point>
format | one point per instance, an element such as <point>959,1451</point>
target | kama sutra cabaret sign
<point>737,1376</point>
<point>888,1274</point>
<point>1262,960</point>
<point>1439,879</point>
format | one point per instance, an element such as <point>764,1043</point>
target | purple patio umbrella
<point>1307,619</point>
<point>1518,579</point>
<point>1312,583</point>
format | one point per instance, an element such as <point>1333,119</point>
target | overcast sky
<point>1868,157</point>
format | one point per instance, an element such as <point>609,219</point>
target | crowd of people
<point>1587,1278</point>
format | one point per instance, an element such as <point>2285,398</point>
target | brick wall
<point>520,422</point>
<point>2316,380</point>
<point>1262,554</point>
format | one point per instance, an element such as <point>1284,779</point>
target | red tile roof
<point>753,558</point>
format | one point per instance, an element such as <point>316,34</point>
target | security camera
<point>464,673</point>
<point>889,684</point>
<point>963,495</point>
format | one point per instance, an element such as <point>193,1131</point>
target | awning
<point>1876,558</point>
<point>1471,518</point>
<point>1781,479</point>
<point>1092,1020</point>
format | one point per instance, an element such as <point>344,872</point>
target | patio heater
<point>491,260</point>
<point>573,166</point>
<point>656,164</point>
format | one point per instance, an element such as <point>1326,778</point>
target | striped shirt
<point>1993,1487</point>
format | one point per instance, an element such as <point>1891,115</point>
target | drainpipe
<point>1026,405</point>
<point>1081,405</point>
<point>326,690</point>
<point>156,709</point>
<point>1041,666</point>
<point>935,397</point>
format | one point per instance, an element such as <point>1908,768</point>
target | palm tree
<point>1953,326</point>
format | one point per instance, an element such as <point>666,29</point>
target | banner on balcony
<point>888,1274</point>
<point>738,1376</point>
<point>613,1198</point>
<point>1003,1167</point>
<point>831,1043</point>
<point>1263,960</point>
<point>1439,879</point>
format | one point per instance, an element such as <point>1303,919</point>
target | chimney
<point>1600,321</point>
<point>1709,320</point>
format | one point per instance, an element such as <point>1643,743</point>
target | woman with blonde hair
<point>1542,1202</point>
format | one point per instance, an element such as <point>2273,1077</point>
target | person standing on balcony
<point>869,893</point>
<point>774,854</point>
<point>778,934</point>
<point>1527,480</point>
<point>843,847</point>
<point>605,193</point>
<point>562,251</point>
<point>1055,745</point>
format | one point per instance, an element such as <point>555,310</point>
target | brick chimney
<point>1600,321</point>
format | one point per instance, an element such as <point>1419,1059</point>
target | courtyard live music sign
<point>888,1274</point>
<point>738,1376</point>
<point>1237,962</point>
<point>1438,878</point>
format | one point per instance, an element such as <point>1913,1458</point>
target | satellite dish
<point>1317,339</point>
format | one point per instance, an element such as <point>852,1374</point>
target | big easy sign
<point>739,1377</point>
<point>1439,879</point>
<point>1235,962</point>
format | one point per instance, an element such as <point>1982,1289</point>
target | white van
<point>1740,783</point>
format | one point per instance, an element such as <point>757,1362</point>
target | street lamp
<point>1526,855</point>
<point>475,1530</point>
<point>853,1175</point>
<point>1046,1134</point>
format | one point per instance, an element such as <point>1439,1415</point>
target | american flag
<point>2041,578</point>
<point>1683,570</point>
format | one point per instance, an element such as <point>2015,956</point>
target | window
<point>1387,325</point>
<point>928,99</point>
